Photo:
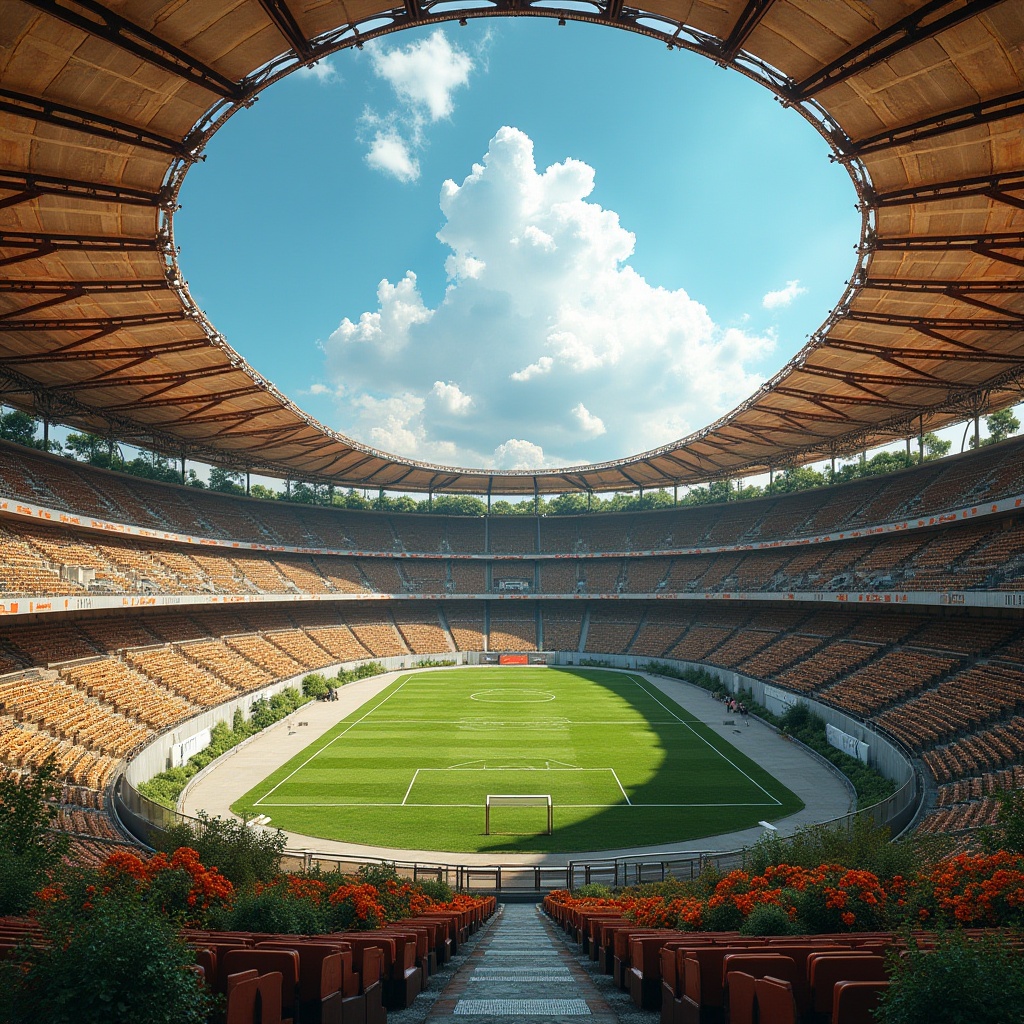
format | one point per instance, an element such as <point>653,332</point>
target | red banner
<point>514,659</point>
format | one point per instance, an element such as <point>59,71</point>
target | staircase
<point>521,969</point>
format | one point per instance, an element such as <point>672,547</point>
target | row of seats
<point>954,557</point>
<point>977,478</point>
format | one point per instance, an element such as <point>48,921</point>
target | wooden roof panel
<point>941,246</point>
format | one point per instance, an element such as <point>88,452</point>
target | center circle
<point>512,696</point>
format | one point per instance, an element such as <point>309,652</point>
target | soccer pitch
<point>624,765</point>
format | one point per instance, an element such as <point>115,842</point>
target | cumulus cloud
<point>543,365</point>
<point>425,73</point>
<point>390,153</point>
<point>451,397</point>
<point>784,296</point>
<point>517,454</point>
<point>424,77</point>
<point>541,304</point>
<point>591,425</point>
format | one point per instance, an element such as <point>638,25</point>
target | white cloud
<point>424,77</point>
<point>541,303</point>
<point>451,397</point>
<point>323,72</point>
<point>543,365</point>
<point>591,425</point>
<point>425,73</point>
<point>516,454</point>
<point>390,153</point>
<point>784,296</point>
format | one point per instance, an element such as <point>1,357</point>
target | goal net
<point>517,800</point>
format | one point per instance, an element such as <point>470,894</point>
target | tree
<point>259,491</point>
<point>227,481</point>
<point>1001,425</point>
<point>935,447</point>
<point>795,478</point>
<point>92,449</point>
<point>20,428</point>
<point>573,504</point>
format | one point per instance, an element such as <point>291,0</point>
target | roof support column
<point>247,482</point>
<point>920,438</point>
<point>183,468</point>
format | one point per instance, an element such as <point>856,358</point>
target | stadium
<point>138,614</point>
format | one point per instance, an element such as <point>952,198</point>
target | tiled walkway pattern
<point>522,971</point>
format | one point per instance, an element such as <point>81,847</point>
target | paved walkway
<point>521,970</point>
<point>825,796</point>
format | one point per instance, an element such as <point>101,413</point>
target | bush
<point>30,848</point>
<point>315,686</point>
<point>960,981</point>
<point>767,920</point>
<point>116,958</point>
<point>243,854</point>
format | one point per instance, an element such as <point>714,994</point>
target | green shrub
<point>30,848</point>
<point>244,855</point>
<point>271,909</point>
<point>960,981</point>
<point>593,891</point>
<point>116,959</point>
<point>315,686</point>
<point>766,920</point>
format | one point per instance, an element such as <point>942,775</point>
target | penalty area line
<point>400,684</point>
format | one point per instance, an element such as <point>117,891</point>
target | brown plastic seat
<point>284,962</point>
<point>242,990</point>
<point>855,1001</point>
<point>827,971</point>
<point>775,1001</point>
<point>741,997</point>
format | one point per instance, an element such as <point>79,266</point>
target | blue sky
<point>614,219</point>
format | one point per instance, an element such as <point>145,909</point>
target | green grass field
<point>624,765</point>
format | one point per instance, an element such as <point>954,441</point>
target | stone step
<point>522,972</point>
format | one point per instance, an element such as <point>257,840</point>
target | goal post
<point>517,800</point>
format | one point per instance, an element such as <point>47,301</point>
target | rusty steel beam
<point>120,32</point>
<point>34,307</point>
<point>109,378</point>
<point>43,286</point>
<point>748,20</point>
<point>830,400</point>
<point>887,43</point>
<point>937,322</point>
<point>940,243</point>
<point>108,128</point>
<point>110,323</point>
<point>284,21</point>
<point>983,185</point>
<point>942,287</point>
<point>946,355</point>
<point>858,379</point>
<point>71,353</point>
<point>32,186</point>
<point>84,243</point>
<point>985,112</point>
<point>220,396</point>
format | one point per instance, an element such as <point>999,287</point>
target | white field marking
<point>476,805</point>
<point>401,683</point>
<point>637,680</point>
<point>547,764</point>
<point>619,784</point>
<point>411,784</point>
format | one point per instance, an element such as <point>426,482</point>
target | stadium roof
<point>103,109</point>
